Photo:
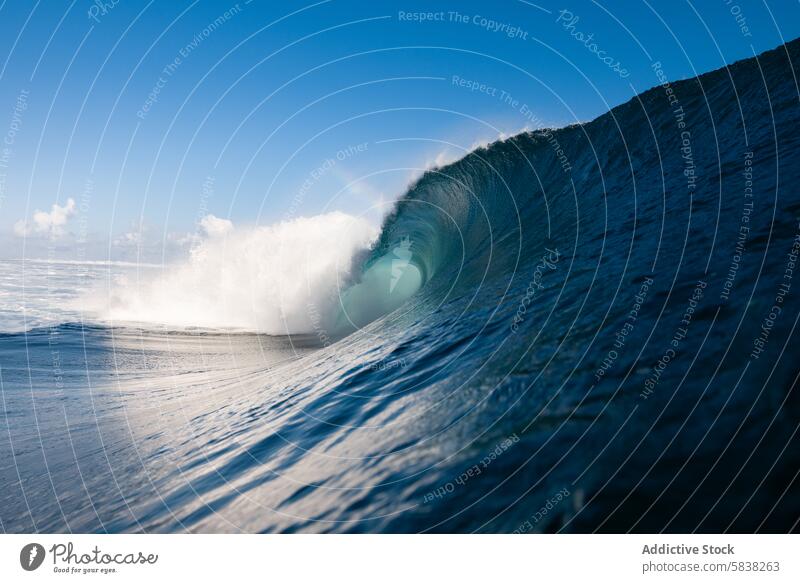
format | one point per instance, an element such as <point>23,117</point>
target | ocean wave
<point>553,319</point>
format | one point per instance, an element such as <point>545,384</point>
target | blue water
<point>595,332</point>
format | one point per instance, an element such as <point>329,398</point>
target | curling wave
<point>566,330</point>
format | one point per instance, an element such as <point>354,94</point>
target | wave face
<point>578,330</point>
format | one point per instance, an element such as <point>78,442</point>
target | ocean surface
<point>579,330</point>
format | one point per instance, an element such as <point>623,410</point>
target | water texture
<point>578,330</point>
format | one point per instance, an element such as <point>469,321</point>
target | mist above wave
<point>280,279</point>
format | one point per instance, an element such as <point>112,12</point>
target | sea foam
<point>274,279</point>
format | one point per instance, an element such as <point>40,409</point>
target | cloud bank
<point>50,224</point>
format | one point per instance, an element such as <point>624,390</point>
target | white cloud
<point>131,239</point>
<point>44,223</point>
<point>182,240</point>
<point>214,226</point>
<point>21,228</point>
<point>144,239</point>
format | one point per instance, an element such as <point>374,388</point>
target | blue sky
<point>151,115</point>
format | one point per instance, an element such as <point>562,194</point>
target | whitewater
<point>263,279</point>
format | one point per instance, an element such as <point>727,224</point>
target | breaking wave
<point>272,279</point>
